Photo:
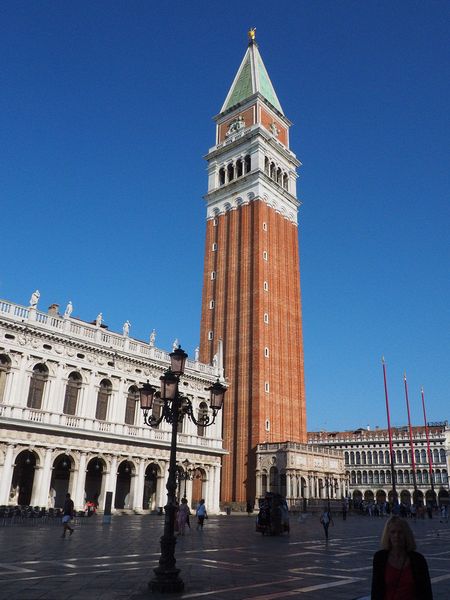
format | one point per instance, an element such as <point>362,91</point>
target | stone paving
<point>227,560</point>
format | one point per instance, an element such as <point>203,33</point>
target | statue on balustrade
<point>69,309</point>
<point>34,298</point>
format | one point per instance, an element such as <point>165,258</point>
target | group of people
<point>183,513</point>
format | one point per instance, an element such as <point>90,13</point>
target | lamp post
<point>174,407</point>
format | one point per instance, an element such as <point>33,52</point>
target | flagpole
<point>411,443</point>
<point>391,447</point>
<point>430,461</point>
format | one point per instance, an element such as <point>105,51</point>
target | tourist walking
<point>344,509</point>
<point>325,519</point>
<point>201,514</point>
<point>68,513</point>
<point>183,516</point>
<point>398,570</point>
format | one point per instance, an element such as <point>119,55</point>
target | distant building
<point>367,460</point>
<point>70,419</point>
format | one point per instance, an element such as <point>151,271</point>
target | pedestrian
<point>398,570</point>
<point>67,515</point>
<point>182,516</point>
<point>344,509</point>
<point>201,514</point>
<point>325,519</point>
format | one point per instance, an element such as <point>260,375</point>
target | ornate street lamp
<point>174,407</point>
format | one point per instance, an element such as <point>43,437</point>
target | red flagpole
<point>394,493</point>
<point>413,461</point>
<point>430,461</point>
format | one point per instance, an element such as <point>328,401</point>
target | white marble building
<point>367,461</point>
<point>70,419</point>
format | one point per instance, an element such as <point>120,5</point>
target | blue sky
<point>105,116</point>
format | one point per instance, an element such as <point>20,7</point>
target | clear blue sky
<point>105,116</point>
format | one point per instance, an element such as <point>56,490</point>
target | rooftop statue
<point>252,34</point>
<point>34,298</point>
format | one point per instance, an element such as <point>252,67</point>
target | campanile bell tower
<point>251,283</point>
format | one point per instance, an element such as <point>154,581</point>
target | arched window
<point>230,172</point>
<point>444,476</point>
<point>248,163</point>
<point>130,408</point>
<point>423,456</point>
<point>353,476</point>
<point>272,170</point>
<point>435,455</point>
<point>278,175</point>
<point>419,477</point>
<point>347,462</point>
<point>364,477</point>
<point>406,476</point>
<point>222,176</point>
<point>358,458</point>
<point>376,478</point>
<point>5,368</point>
<point>37,385</point>
<point>352,458</point>
<point>369,458</point>
<point>425,476</point>
<point>405,457</point>
<point>285,181</point>
<point>266,166</point>
<point>399,476</point>
<point>381,457</point>
<point>104,392</point>
<point>399,457</point>
<point>441,451</point>
<point>417,455</point>
<point>358,476</point>
<point>388,477</point>
<point>363,458</point>
<point>202,413</point>
<point>382,477</point>
<point>239,168</point>
<point>370,477</point>
<point>71,396</point>
<point>266,318</point>
<point>375,457</point>
<point>387,459</point>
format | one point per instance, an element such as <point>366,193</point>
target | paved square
<point>227,560</point>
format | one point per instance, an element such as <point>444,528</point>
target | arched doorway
<point>273,477</point>
<point>405,497</point>
<point>60,482</point>
<point>443,497</point>
<point>303,487</point>
<point>368,496</point>
<point>23,478</point>
<point>380,496</point>
<point>418,498</point>
<point>263,483</point>
<point>123,497</point>
<point>198,491</point>
<point>150,487</point>
<point>357,498</point>
<point>94,481</point>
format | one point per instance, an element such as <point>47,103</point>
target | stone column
<point>79,483</point>
<point>139,487</point>
<point>7,474</point>
<point>45,479</point>
<point>111,480</point>
<point>161,490</point>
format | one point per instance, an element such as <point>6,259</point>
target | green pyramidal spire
<point>251,77</point>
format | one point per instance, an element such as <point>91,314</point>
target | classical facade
<point>70,419</point>
<point>367,460</point>
<point>251,286</point>
<point>301,472</point>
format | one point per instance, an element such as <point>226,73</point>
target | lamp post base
<point>166,581</point>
